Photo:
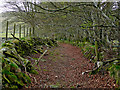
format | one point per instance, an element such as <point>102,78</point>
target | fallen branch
<point>41,56</point>
<point>94,69</point>
<point>15,37</point>
<point>109,61</point>
<point>98,67</point>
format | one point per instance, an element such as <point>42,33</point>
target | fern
<point>115,72</point>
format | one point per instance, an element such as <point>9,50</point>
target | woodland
<point>60,45</point>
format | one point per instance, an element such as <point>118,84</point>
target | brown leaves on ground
<point>63,67</point>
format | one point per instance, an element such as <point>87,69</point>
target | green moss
<point>27,78</point>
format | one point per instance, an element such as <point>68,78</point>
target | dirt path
<point>63,67</point>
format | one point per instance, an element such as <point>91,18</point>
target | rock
<point>99,63</point>
<point>83,73</point>
<point>56,76</point>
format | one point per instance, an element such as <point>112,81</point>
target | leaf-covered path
<point>63,67</point>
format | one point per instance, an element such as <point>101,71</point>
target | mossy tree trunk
<point>20,31</point>
<point>96,51</point>
<point>33,31</point>
<point>7,31</point>
<point>14,29</point>
<point>30,32</point>
<point>24,30</point>
<point>27,32</point>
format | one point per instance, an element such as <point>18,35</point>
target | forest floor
<point>63,67</point>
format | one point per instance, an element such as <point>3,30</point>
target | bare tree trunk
<point>119,29</point>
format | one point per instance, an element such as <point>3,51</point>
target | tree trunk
<point>7,31</point>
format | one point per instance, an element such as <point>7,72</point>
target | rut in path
<point>63,67</point>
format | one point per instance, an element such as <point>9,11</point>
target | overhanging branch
<point>60,9</point>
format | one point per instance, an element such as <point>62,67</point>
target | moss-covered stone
<point>14,65</point>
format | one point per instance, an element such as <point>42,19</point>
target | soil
<point>62,67</point>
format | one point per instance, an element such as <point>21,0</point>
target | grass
<point>57,53</point>
<point>57,85</point>
<point>54,55</point>
<point>44,60</point>
<point>9,35</point>
<point>73,58</point>
<point>35,58</point>
<point>45,70</point>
